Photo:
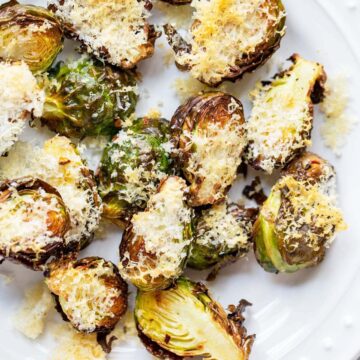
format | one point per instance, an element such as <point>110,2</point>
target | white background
<point>310,315</point>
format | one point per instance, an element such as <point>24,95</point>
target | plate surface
<point>311,315</point>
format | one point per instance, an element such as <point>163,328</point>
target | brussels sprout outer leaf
<point>311,168</point>
<point>156,350</point>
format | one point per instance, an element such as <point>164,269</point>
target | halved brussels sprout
<point>132,167</point>
<point>281,121</point>
<point>228,38</point>
<point>29,33</point>
<point>184,321</point>
<point>209,133</point>
<point>20,99</point>
<point>155,245</point>
<point>33,221</point>
<point>297,223</point>
<point>86,97</point>
<point>114,31</point>
<point>60,164</point>
<point>89,293</point>
<point>222,234</point>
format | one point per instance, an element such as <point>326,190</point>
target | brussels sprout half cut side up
<point>113,31</point>
<point>59,163</point>
<point>281,120</point>
<point>296,224</point>
<point>222,234</point>
<point>31,34</point>
<point>245,33</point>
<point>88,98</point>
<point>156,243</point>
<point>132,166</point>
<point>33,221</point>
<point>209,132</point>
<point>184,321</point>
<point>89,293</point>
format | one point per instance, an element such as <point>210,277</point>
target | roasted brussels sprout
<point>114,31</point>
<point>20,99</point>
<point>245,33</point>
<point>132,166</point>
<point>297,223</point>
<point>86,97</point>
<point>155,245</point>
<point>29,33</point>
<point>280,124</point>
<point>89,293</point>
<point>184,321</point>
<point>209,133</point>
<point>60,164</point>
<point>222,234</point>
<point>33,221</point>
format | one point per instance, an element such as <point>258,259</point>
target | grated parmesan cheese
<point>114,30</point>
<point>217,157</point>
<point>154,113</point>
<point>225,31</point>
<point>162,228</point>
<point>30,319</point>
<point>60,165</point>
<point>281,119</point>
<point>73,345</point>
<point>19,98</point>
<point>306,207</point>
<point>84,294</point>
<point>24,222</point>
<point>338,122</point>
<point>218,227</point>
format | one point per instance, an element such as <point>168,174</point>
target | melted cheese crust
<point>216,157</point>
<point>20,97</point>
<point>24,222</point>
<point>83,294</point>
<point>116,26</point>
<point>218,227</point>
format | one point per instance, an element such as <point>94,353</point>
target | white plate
<point>311,315</point>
